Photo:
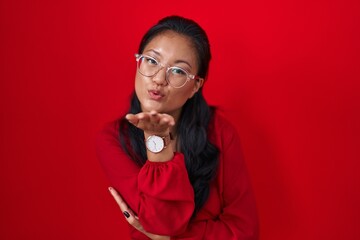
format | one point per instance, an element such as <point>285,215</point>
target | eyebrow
<point>177,61</point>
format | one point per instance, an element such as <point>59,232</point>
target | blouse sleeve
<point>159,193</point>
<point>238,219</point>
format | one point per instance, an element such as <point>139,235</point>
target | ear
<point>198,84</point>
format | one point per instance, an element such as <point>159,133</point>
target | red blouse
<point>163,198</point>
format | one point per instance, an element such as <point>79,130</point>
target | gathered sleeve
<point>159,193</point>
<point>238,219</point>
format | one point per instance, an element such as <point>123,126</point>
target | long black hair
<point>201,156</point>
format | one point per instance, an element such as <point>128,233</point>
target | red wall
<point>285,72</point>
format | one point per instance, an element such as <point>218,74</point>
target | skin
<point>160,114</point>
<point>170,49</point>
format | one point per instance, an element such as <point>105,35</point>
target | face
<point>169,49</point>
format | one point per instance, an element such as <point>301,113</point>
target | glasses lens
<point>177,77</point>
<point>148,66</point>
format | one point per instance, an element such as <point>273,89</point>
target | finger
<point>167,120</point>
<point>133,220</point>
<point>161,119</point>
<point>152,121</point>
<point>143,115</point>
<point>154,117</point>
<point>121,203</point>
<point>153,112</point>
<point>147,120</point>
<point>136,117</point>
<point>129,116</point>
<point>134,122</point>
<point>138,120</point>
<point>133,119</point>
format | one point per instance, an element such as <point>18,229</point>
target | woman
<point>174,163</point>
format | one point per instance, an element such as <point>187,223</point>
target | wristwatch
<point>156,144</point>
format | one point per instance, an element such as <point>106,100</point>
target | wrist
<point>159,148</point>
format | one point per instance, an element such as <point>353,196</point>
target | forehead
<point>171,45</point>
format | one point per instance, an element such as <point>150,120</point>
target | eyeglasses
<point>176,77</point>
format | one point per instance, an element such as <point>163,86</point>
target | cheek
<point>183,95</point>
<point>188,90</point>
<point>139,85</point>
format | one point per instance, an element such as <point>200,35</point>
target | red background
<point>285,72</point>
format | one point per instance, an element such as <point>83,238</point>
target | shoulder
<point>108,134</point>
<point>221,126</point>
<point>108,146</point>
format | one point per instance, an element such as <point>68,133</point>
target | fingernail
<point>127,215</point>
<point>110,189</point>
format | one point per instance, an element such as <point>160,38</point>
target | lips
<point>155,95</point>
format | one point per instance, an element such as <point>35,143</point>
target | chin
<point>151,107</point>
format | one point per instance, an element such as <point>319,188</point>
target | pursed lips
<point>155,94</point>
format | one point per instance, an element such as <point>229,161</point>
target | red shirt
<point>162,197</point>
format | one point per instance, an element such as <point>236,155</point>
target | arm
<point>132,219</point>
<point>238,220</point>
<point>152,191</point>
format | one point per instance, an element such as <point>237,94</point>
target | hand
<point>132,219</point>
<point>152,122</point>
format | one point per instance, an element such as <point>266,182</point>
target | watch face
<point>155,144</point>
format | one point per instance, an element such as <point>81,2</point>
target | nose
<point>160,77</point>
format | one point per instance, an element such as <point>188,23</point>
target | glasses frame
<point>188,75</point>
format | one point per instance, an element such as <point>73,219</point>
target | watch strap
<point>166,140</point>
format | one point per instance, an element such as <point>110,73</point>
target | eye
<point>150,61</point>
<point>178,71</point>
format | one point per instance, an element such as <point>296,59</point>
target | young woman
<point>174,163</point>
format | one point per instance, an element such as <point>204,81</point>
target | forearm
<point>165,193</point>
<point>152,190</point>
